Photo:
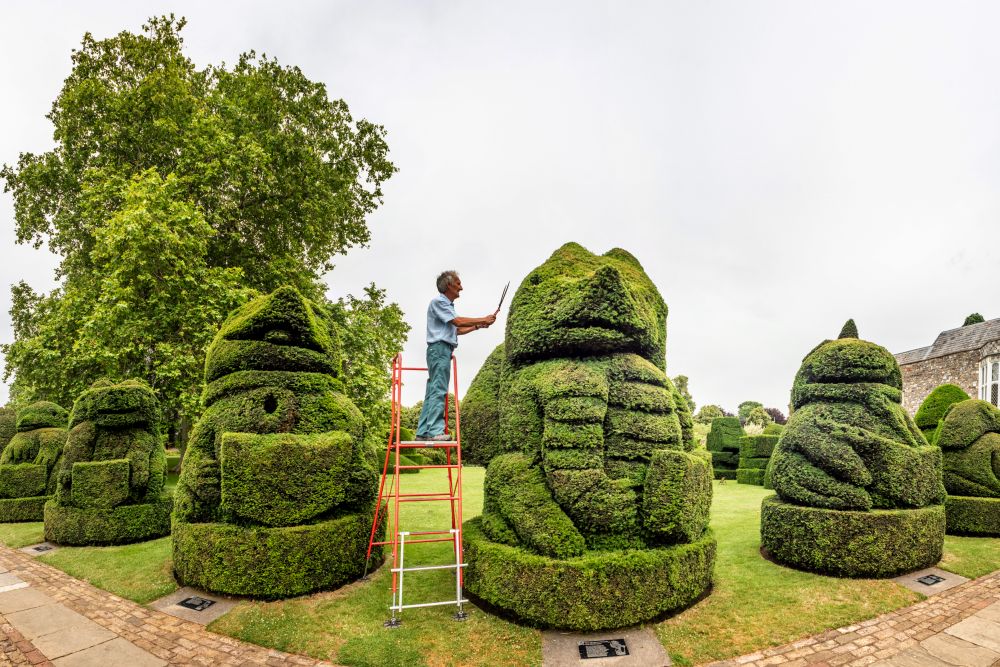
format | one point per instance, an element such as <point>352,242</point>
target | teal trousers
<point>438,378</point>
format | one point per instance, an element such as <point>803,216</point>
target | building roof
<point>962,339</point>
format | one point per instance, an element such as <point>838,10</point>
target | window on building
<point>989,380</point>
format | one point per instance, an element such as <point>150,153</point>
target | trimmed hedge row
<point>750,476</point>
<point>973,516</point>
<point>274,563</point>
<point>124,524</point>
<point>755,454</point>
<point>598,590</point>
<point>723,442</point>
<point>877,543</point>
<point>23,509</point>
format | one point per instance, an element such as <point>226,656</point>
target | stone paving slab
<point>34,549</point>
<point>114,653</point>
<point>978,631</point>
<point>958,651</point>
<point>44,620</point>
<point>149,633</point>
<point>561,649</point>
<point>169,605</point>
<point>950,580</point>
<point>72,639</point>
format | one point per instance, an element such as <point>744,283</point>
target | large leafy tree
<point>171,192</point>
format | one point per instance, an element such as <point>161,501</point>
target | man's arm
<point>468,322</point>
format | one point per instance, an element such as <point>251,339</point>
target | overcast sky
<point>777,167</point>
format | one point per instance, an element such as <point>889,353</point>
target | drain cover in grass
<point>42,547</point>
<point>196,603</point>
<point>603,648</point>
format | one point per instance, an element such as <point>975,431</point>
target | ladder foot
<point>461,616</point>
<point>393,623</point>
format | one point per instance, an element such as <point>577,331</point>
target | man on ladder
<point>443,329</point>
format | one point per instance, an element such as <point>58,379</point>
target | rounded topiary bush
<point>854,477</point>
<point>596,499</point>
<point>935,405</point>
<point>29,461</point>
<point>278,487</point>
<point>723,442</point>
<point>110,481</point>
<point>969,437</point>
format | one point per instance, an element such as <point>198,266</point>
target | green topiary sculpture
<point>276,492</point>
<point>859,491</point>
<point>110,481</point>
<point>8,425</point>
<point>755,453</point>
<point>723,442</point>
<point>596,500</point>
<point>935,405</point>
<point>969,437</point>
<point>27,463</point>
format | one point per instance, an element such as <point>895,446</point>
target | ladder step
<point>424,500</point>
<point>427,444</point>
<point>427,604</point>
<point>426,467</point>
<point>427,567</point>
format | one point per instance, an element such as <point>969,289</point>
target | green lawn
<point>753,605</point>
<point>17,535</point>
<point>141,572</point>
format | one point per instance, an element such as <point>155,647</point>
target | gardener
<point>443,330</point>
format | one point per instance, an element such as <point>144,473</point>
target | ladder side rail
<point>393,435</point>
<point>458,492</point>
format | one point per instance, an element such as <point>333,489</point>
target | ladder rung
<point>427,567</point>
<point>428,532</point>
<point>428,604</point>
<point>424,500</point>
<point>427,444</point>
<point>424,467</point>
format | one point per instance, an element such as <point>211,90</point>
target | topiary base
<point>273,562</point>
<point>124,524</point>
<point>968,515</point>
<point>600,590</point>
<point>879,543</point>
<point>750,476</point>
<point>22,509</point>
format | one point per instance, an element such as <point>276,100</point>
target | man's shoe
<point>444,437</point>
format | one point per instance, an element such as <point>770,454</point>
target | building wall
<point>920,378</point>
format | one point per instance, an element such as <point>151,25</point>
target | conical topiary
<point>859,490</point>
<point>850,330</point>
<point>969,437</point>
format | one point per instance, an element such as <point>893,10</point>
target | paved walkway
<point>49,618</point>
<point>959,627</point>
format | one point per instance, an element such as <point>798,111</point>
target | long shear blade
<point>502,296</point>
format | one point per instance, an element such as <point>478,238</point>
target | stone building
<point>968,356</point>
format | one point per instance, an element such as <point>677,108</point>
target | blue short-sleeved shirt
<point>440,313</point>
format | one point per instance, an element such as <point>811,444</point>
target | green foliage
<point>744,409</point>
<point>111,476</point>
<point>725,434</point>
<point>974,318</point>
<point>750,476</point>
<point>756,446</point>
<point>969,515</point>
<point>595,591</point>
<point>708,413</point>
<point>278,446</point>
<point>681,383</point>
<point>43,414</point>
<point>8,425</point>
<point>969,437</point>
<point>170,190</point>
<point>481,411</point>
<point>270,563</point>
<point>850,330</point>
<point>124,524</point>
<point>934,407</point>
<point>22,480</point>
<point>677,497</point>
<point>29,460</point>
<point>881,543</point>
<point>759,417</point>
<point>579,304</point>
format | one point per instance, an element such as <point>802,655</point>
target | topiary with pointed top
<point>969,437</point>
<point>29,461</point>
<point>850,330</point>
<point>596,502</point>
<point>110,482</point>
<point>277,488</point>
<point>859,490</point>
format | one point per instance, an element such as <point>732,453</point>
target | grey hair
<point>445,279</point>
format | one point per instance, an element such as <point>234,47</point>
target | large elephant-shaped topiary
<point>594,482</point>
<point>29,461</point>
<point>277,486</point>
<point>859,490</point>
<point>110,482</point>
<point>969,438</point>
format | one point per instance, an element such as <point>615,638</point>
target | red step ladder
<point>391,493</point>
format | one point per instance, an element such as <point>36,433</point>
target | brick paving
<point>175,641</point>
<point>903,637</point>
